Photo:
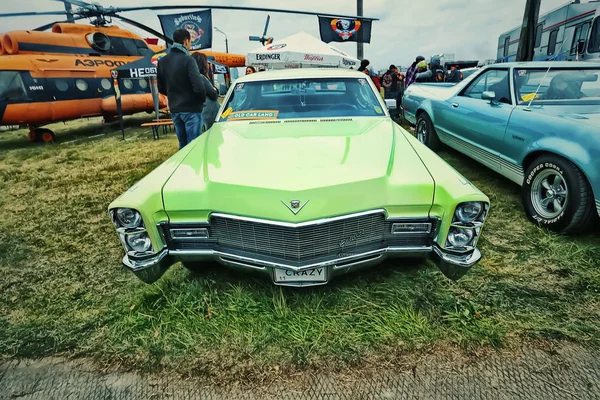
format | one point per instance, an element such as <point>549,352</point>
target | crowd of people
<point>193,99</point>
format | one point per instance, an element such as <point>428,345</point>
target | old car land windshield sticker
<point>256,114</point>
<point>226,113</point>
<point>378,109</point>
<point>529,97</point>
<point>362,81</point>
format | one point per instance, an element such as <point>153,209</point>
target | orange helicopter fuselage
<point>66,74</point>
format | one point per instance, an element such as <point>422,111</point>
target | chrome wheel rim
<point>549,194</point>
<point>422,131</point>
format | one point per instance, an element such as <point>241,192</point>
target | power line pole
<point>527,40</point>
<point>360,46</point>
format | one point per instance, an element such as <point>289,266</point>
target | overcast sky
<point>407,28</point>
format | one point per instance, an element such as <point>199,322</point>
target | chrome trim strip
<point>219,254</point>
<point>510,170</point>
<point>463,261</point>
<point>300,224</point>
<point>598,206</point>
<point>358,262</point>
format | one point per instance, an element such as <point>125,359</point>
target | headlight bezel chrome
<point>474,224</point>
<point>127,231</point>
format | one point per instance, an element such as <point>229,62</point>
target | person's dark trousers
<point>188,126</point>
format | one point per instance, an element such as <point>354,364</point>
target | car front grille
<point>328,239</point>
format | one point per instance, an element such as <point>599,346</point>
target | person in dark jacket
<point>390,82</point>
<point>453,74</point>
<point>211,106</point>
<point>179,79</point>
<point>434,73</point>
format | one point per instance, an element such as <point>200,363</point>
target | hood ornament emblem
<point>295,205</point>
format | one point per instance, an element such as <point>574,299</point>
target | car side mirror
<point>581,46</point>
<point>488,95</point>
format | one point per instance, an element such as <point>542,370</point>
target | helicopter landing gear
<point>41,135</point>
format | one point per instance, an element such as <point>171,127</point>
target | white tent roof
<point>300,50</point>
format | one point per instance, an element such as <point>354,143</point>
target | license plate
<point>309,275</point>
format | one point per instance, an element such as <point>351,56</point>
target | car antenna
<point>537,90</point>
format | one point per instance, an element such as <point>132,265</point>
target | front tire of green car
<point>426,133</point>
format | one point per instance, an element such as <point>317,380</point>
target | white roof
<point>301,73</point>
<point>300,50</point>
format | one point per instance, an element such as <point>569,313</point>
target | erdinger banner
<point>344,30</point>
<point>198,24</point>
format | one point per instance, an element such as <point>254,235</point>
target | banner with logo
<point>344,30</point>
<point>198,24</point>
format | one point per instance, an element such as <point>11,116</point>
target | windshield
<point>594,45</point>
<point>11,86</point>
<point>302,98</point>
<point>555,85</point>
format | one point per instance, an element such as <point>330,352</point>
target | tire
<point>557,196</point>
<point>426,133</point>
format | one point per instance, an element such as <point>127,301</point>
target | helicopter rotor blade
<point>32,13</point>
<point>267,25</point>
<point>255,38</point>
<point>145,28</point>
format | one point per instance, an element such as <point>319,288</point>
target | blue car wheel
<point>557,195</point>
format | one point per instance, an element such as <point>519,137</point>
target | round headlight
<point>129,218</point>
<point>459,237</point>
<point>139,242</point>
<point>468,212</point>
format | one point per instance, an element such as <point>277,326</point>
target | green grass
<point>63,291</point>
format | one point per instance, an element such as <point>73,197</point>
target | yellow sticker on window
<point>378,110</point>
<point>226,113</point>
<point>256,114</point>
<point>529,97</point>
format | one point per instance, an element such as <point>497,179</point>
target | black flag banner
<point>344,30</point>
<point>198,24</point>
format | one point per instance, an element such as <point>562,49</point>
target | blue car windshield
<point>302,98</point>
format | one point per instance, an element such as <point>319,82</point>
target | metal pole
<point>360,53</point>
<point>69,11</point>
<point>527,39</point>
<point>226,45</point>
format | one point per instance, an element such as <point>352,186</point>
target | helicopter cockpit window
<point>11,86</point>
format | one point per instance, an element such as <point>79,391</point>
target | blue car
<point>536,123</point>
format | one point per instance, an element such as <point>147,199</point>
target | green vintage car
<point>304,177</point>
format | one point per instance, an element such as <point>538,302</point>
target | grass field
<point>63,291</point>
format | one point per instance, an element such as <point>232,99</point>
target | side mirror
<point>581,46</point>
<point>489,95</point>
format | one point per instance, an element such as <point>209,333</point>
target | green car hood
<point>336,167</point>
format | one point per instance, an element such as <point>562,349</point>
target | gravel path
<point>569,372</point>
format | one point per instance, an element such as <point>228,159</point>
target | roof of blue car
<point>549,64</point>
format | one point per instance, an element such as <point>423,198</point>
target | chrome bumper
<point>150,268</point>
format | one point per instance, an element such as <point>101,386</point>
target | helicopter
<point>65,74</point>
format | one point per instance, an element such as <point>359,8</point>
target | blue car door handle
<point>455,105</point>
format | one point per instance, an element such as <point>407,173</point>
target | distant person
<point>363,65</point>
<point>250,70</point>
<point>179,79</point>
<point>261,68</point>
<point>453,74</point>
<point>211,106</point>
<point>432,72</point>
<point>390,82</point>
<point>411,72</point>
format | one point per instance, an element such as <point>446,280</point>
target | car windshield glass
<point>557,84</point>
<point>594,45</point>
<point>302,98</point>
<point>11,86</point>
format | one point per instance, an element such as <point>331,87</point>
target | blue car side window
<point>495,80</point>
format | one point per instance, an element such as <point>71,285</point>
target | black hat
<point>392,67</point>
<point>420,58</point>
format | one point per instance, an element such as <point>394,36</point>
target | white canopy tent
<point>300,50</point>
